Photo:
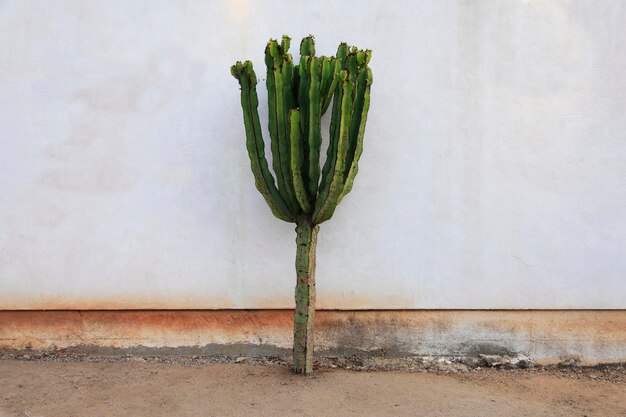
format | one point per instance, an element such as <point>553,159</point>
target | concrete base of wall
<point>544,336</point>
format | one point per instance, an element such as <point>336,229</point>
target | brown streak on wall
<point>201,302</point>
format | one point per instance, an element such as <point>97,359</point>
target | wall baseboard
<point>545,336</point>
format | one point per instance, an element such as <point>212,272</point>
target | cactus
<point>298,96</point>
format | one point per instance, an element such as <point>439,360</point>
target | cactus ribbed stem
<point>315,126</point>
<point>296,161</point>
<point>306,241</point>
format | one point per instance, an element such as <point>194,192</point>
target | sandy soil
<point>66,389</point>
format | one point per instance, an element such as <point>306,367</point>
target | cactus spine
<point>298,96</point>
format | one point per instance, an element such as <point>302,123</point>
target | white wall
<point>494,173</point>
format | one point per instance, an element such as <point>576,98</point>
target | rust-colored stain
<point>195,302</point>
<point>328,301</point>
<point>594,335</point>
<point>126,302</point>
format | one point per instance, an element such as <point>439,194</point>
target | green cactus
<point>298,96</point>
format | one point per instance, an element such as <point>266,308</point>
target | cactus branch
<point>315,126</point>
<point>354,163</point>
<point>334,66</point>
<point>296,161</point>
<point>280,101</point>
<point>325,209</point>
<point>303,104</point>
<point>254,141</point>
<point>331,152</point>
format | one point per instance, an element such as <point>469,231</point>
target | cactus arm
<point>315,125</point>
<point>325,76</point>
<point>325,209</point>
<point>270,51</point>
<point>327,94</point>
<point>362,77</point>
<point>254,141</point>
<point>354,163</point>
<point>331,152</point>
<point>357,112</point>
<point>303,104</point>
<point>288,72</point>
<point>282,114</point>
<point>296,161</point>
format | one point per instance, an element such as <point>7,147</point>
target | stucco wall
<point>494,173</point>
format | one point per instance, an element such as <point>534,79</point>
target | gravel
<point>487,364</point>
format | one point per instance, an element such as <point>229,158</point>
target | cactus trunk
<point>306,241</point>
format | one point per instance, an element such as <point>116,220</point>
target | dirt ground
<point>66,389</point>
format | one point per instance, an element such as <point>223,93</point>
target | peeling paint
<point>545,336</point>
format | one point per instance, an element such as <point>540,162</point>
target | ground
<point>138,387</point>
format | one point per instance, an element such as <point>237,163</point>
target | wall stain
<point>544,335</point>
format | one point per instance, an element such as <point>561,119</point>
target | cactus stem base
<point>306,240</point>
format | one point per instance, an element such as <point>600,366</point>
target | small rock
<point>509,362</point>
<point>568,363</point>
<point>472,361</point>
<point>240,359</point>
<point>495,360</point>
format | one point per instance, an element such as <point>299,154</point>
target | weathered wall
<point>544,336</point>
<point>494,174</point>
